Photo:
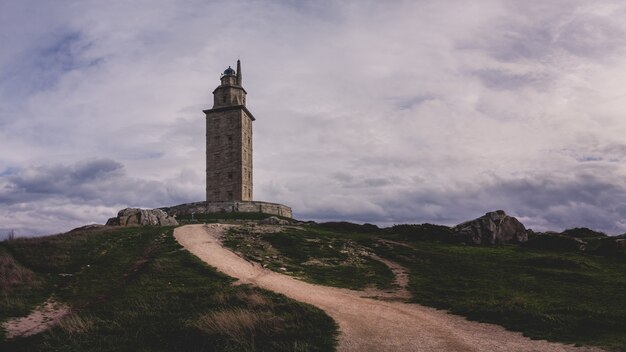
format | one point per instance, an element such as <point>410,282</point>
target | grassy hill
<point>134,289</point>
<point>571,297</point>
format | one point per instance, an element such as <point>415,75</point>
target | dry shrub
<point>73,324</point>
<point>254,300</point>
<point>12,274</point>
<point>241,326</point>
<point>248,297</point>
<point>220,298</point>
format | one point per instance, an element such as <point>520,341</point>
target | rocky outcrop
<point>493,228</point>
<point>142,217</point>
<point>273,220</point>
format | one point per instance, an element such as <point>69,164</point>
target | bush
<point>14,275</point>
<point>582,232</point>
<point>344,226</point>
<point>555,243</point>
<point>422,232</point>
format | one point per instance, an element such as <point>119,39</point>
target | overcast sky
<point>369,111</point>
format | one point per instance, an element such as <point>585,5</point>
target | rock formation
<point>273,220</point>
<point>494,227</point>
<point>142,217</point>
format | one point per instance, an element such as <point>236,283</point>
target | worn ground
<point>40,319</point>
<point>366,324</point>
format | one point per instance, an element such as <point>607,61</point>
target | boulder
<point>142,217</point>
<point>491,228</point>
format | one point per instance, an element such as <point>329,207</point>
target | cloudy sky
<point>369,111</point>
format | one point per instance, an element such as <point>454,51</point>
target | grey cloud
<point>410,103</point>
<point>69,194</point>
<point>42,66</point>
<point>343,177</point>
<point>582,200</point>
<point>522,43</point>
<point>377,182</point>
<point>590,36</point>
<point>597,151</point>
<point>542,203</point>
<point>498,79</point>
<point>540,32</point>
<point>38,182</point>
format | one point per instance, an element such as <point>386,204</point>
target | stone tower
<point>229,141</point>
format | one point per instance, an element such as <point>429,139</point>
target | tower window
<point>230,195</point>
<point>230,137</point>
<point>230,175</point>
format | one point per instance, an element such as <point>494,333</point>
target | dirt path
<point>40,319</point>
<point>401,281</point>
<point>366,324</point>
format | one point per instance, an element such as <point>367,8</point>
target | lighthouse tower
<point>229,141</point>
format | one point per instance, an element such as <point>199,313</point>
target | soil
<point>40,319</point>
<point>401,281</point>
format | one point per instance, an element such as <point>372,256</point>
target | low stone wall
<point>229,207</point>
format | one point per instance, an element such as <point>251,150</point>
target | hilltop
<point>134,288</point>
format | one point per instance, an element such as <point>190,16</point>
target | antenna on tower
<point>238,72</point>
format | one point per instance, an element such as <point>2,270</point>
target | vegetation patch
<point>553,242</point>
<point>554,293</point>
<point>583,232</point>
<point>135,289</point>
<point>312,253</point>
<point>567,297</point>
<point>13,275</point>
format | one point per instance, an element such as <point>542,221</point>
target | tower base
<point>229,207</point>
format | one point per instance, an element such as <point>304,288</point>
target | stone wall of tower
<point>227,95</point>
<point>229,154</point>
<point>246,156</point>
<point>228,207</point>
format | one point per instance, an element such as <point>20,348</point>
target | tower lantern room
<point>230,92</point>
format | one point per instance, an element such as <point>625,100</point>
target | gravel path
<point>365,324</point>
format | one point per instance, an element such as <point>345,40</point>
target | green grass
<point>315,254</point>
<point>567,297</point>
<point>135,289</point>
<point>570,297</point>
